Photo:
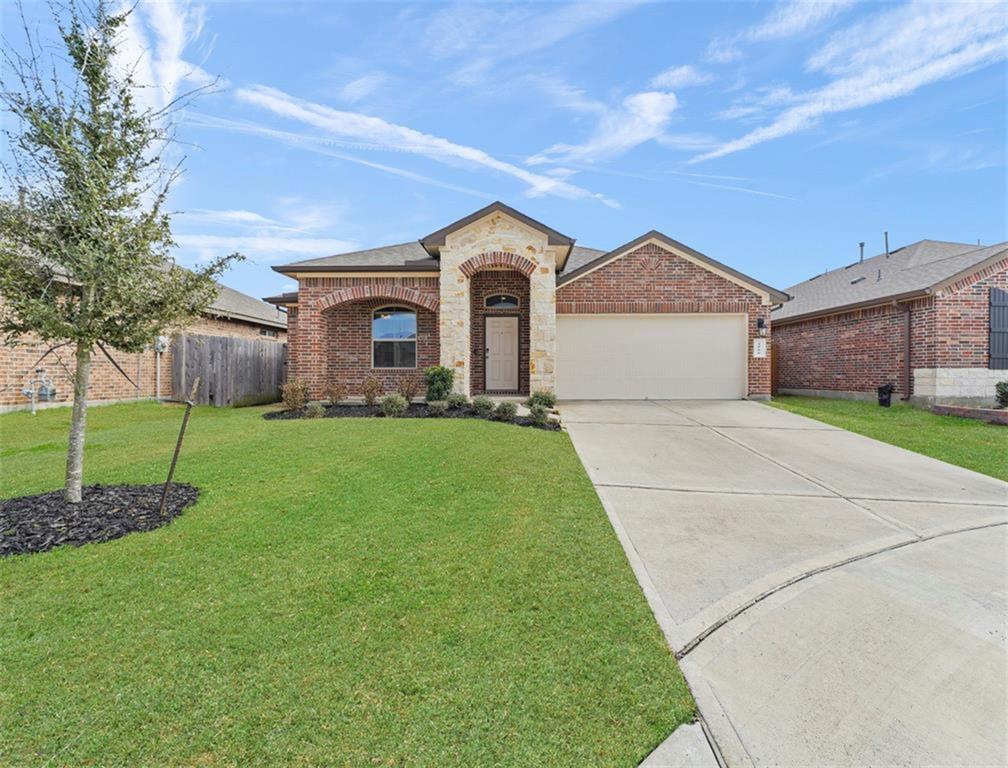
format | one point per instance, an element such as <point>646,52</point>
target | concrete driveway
<point>833,600</point>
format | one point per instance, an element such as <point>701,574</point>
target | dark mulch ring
<point>415,411</point>
<point>40,523</point>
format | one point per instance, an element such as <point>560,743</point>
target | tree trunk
<point>75,451</point>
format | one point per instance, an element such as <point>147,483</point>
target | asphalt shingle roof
<point>912,268</point>
<point>240,306</point>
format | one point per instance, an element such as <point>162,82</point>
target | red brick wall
<point>106,383</point>
<point>320,353</point>
<point>487,284</point>
<point>962,319</point>
<point>655,280</point>
<point>858,351</point>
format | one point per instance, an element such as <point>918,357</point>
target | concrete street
<point>833,599</point>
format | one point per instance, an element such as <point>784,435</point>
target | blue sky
<point>771,136</point>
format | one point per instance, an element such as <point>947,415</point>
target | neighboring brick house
<point>513,306</point>
<point>930,318</point>
<point>231,314</point>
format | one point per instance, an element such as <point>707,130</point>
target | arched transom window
<point>393,338</point>
<point>501,301</point>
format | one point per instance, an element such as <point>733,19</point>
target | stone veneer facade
<point>488,242</point>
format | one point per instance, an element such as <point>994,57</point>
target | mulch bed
<point>414,411</point>
<point>40,523</point>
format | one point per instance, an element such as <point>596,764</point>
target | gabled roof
<point>235,305</point>
<point>433,242</point>
<point>615,253</point>
<point>404,257</point>
<point>911,271</point>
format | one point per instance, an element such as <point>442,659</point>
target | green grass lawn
<point>345,592</point>
<point>969,443</point>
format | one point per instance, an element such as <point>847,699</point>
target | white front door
<point>502,354</point>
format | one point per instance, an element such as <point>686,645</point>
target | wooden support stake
<point>178,445</point>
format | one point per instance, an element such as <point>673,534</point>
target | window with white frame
<point>501,301</point>
<point>393,338</point>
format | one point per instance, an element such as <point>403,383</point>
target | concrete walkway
<point>832,599</point>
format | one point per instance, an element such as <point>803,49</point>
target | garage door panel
<point>651,356</point>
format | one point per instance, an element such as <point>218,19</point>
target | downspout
<point>907,370</point>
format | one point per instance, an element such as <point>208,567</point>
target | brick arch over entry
<point>471,266</point>
<point>391,292</point>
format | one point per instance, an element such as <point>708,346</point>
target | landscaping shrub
<point>409,388</point>
<point>294,394</point>
<point>437,408</point>
<point>539,414</point>
<point>1001,394</point>
<point>506,411</point>
<point>315,410</point>
<point>483,406</point>
<point>542,397</point>
<point>394,405</point>
<point>439,382</point>
<point>336,392</point>
<point>370,389</point>
<point>457,400</point>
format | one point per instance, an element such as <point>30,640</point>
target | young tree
<point>84,234</point>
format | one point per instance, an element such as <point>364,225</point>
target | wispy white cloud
<point>485,35</point>
<point>154,47</point>
<point>563,95</point>
<point>683,76</point>
<point>786,20</point>
<point>363,87</point>
<point>886,56</point>
<point>640,118</point>
<point>378,133</point>
<point>261,248</point>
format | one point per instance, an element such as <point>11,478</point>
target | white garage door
<point>630,357</point>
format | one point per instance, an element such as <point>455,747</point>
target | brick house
<point>513,306</point>
<point>930,318</point>
<point>231,314</point>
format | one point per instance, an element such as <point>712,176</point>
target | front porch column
<point>542,325</point>
<point>454,319</point>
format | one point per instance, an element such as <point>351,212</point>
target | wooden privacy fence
<point>232,371</point>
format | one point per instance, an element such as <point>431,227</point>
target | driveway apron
<point>832,599</point>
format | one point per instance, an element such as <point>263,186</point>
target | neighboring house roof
<point>908,272</point>
<point>235,305</point>
<point>601,259</point>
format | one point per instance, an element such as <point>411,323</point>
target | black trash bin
<point>885,395</point>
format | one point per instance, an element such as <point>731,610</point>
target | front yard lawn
<point>345,592</point>
<point>969,443</point>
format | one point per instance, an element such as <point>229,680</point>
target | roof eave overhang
<point>292,269</point>
<point>246,318</point>
<point>895,298</point>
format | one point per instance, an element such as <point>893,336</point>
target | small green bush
<point>1001,394</point>
<point>437,408</point>
<point>506,411</point>
<point>394,405</point>
<point>370,389</point>
<point>539,414</point>
<point>483,406</point>
<point>336,392</point>
<point>294,394</point>
<point>315,410</point>
<point>457,400</point>
<point>439,380</point>
<point>542,397</point>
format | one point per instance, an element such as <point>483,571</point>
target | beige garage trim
<point>634,357</point>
